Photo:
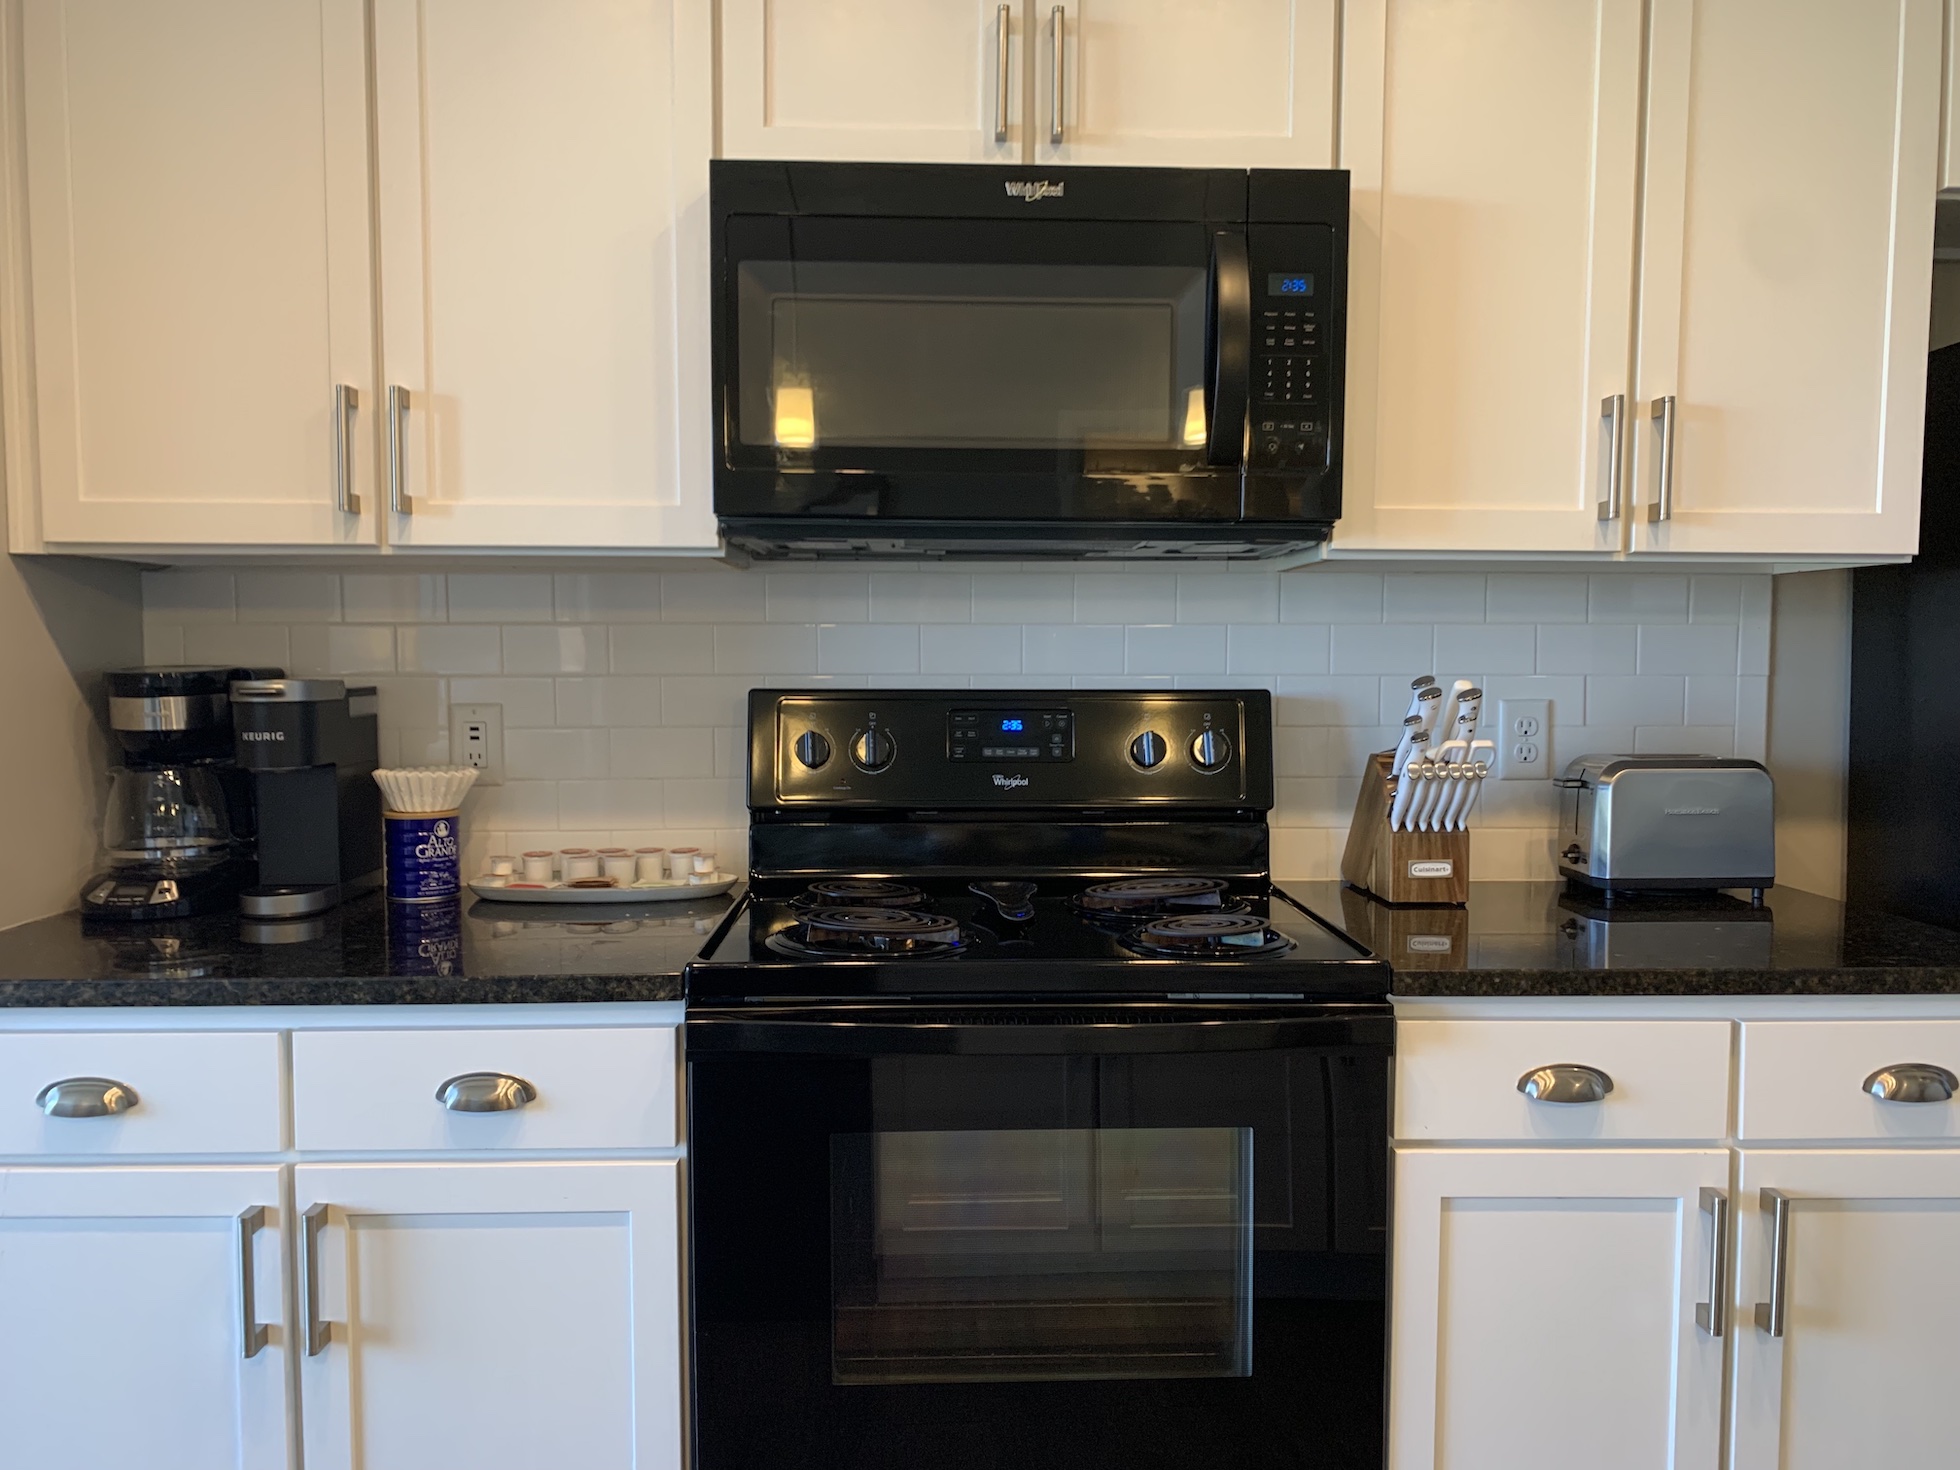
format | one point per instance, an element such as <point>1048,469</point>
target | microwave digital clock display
<point>1289,283</point>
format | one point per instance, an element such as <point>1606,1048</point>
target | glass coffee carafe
<point>167,819</point>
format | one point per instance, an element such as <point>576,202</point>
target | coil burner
<point>1208,936</point>
<point>860,893</point>
<point>1153,898</point>
<point>871,931</point>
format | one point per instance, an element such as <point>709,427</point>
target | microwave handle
<point>1231,349</point>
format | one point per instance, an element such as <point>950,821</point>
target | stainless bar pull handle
<point>346,399</point>
<point>485,1092</point>
<point>318,1333</point>
<point>251,1335</point>
<point>1712,1316</point>
<point>1662,508</point>
<point>86,1097</point>
<point>1002,32</point>
<point>1612,412</point>
<point>398,496</point>
<point>1058,30</point>
<point>1912,1082</point>
<point>1565,1082</point>
<point>1770,1314</point>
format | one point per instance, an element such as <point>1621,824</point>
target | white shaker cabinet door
<point>1544,1309</point>
<point>1863,1372</point>
<point>1215,83</point>
<point>1787,243</point>
<point>124,1302</point>
<point>193,306</point>
<point>905,81</point>
<point>544,272</point>
<point>1493,148</point>
<point>504,1316</point>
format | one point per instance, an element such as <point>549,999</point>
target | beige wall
<point>61,622</point>
<point>1809,726</point>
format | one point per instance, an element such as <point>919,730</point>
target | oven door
<point>1123,1237</point>
<point>1079,369</point>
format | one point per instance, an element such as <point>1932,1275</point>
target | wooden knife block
<point>1401,867</point>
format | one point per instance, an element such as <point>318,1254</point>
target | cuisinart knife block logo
<point>1033,189</point>
<point>1008,783</point>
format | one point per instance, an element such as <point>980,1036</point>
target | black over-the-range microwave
<point>919,360</point>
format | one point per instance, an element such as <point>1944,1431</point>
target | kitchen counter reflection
<point>1541,939</point>
<point>366,952</point>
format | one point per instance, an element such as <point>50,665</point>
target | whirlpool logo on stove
<point>1030,190</point>
<point>1008,783</point>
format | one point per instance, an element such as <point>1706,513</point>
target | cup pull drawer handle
<point>1565,1082</point>
<point>485,1092</point>
<point>1912,1082</point>
<point>85,1097</point>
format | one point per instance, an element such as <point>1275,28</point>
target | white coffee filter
<point>416,790</point>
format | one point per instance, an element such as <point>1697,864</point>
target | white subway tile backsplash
<point>625,694</point>
<point>555,649</point>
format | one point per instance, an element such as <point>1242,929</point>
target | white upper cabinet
<point>912,81</point>
<point>542,186</point>
<point>1493,149</point>
<point>1231,83</point>
<point>189,239</point>
<point>1792,162</point>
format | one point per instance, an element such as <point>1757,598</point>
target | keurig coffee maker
<point>177,831</point>
<point>310,747</point>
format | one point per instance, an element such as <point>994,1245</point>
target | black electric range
<point>1029,1123</point>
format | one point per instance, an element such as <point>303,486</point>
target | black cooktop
<point>1149,936</point>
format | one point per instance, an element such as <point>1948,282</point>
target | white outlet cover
<point>1524,740</point>
<point>489,760</point>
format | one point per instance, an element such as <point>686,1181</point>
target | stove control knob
<point>873,750</point>
<point>1147,750</point>
<point>812,749</point>
<point>1210,750</point>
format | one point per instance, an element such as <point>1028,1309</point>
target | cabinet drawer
<point>1806,1079</point>
<point>1458,1080</point>
<point>594,1089</point>
<point>196,1092</point>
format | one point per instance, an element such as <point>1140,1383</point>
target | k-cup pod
<point>502,865</point>
<point>617,864</point>
<point>680,862</point>
<point>537,867</point>
<point>650,864</point>
<point>704,864</point>
<point>575,863</point>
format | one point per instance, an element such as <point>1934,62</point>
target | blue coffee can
<point>424,856</point>
<point>425,938</point>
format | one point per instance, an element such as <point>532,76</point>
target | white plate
<point>628,893</point>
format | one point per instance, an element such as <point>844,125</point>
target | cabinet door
<point>1493,151</point>
<point>1249,84</point>
<point>1863,1373</point>
<point>908,81</point>
<point>124,1304</point>
<point>197,247</point>
<point>495,1315</point>
<point>1544,1309</point>
<point>1787,236</point>
<point>543,182</point>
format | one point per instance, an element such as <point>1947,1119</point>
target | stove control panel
<point>935,749</point>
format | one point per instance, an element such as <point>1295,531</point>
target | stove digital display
<point>1017,735</point>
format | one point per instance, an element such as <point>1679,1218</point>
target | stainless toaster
<point>1667,821</point>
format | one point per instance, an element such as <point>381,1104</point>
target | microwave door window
<point>940,356</point>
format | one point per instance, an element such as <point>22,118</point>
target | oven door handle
<point>1230,346</point>
<point>1012,1031</point>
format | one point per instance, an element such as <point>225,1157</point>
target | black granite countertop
<point>1539,939</point>
<point>367,952</point>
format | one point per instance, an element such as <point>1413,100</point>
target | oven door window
<point>895,343</point>
<point>1041,1253</point>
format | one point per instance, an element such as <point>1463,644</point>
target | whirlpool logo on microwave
<point>1030,190</point>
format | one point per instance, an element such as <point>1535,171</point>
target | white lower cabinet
<point>1863,1371</point>
<point>1544,1308</point>
<point>501,1315</point>
<point>129,1299</point>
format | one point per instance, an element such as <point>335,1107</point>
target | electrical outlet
<point>476,739</point>
<point>1524,740</point>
